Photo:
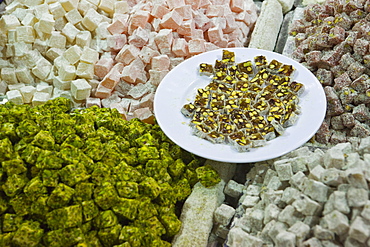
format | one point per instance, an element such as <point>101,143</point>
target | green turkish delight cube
<point>171,223</point>
<point>132,235</point>
<point>112,157</point>
<point>175,152</point>
<point>60,196</point>
<point>65,217</point>
<point>207,176</point>
<point>176,168</point>
<point>125,244</point>
<point>109,236</point>
<point>63,237</point>
<point>152,225</point>
<point>11,222</point>
<point>146,209</point>
<point>102,173</point>
<point>149,187</point>
<point>89,209</point>
<point>122,144</point>
<point>35,188</point>
<point>30,154</point>
<point>130,157</point>
<point>160,243</point>
<point>105,134</point>
<point>146,153</point>
<point>39,207</point>
<point>124,172</point>
<point>127,189</point>
<point>29,234</point>
<point>166,157</point>
<point>6,239</point>
<point>182,189</point>
<point>126,208</point>
<point>14,184</point>
<point>105,219</point>
<point>3,205</point>
<point>50,178</point>
<point>44,140</point>
<point>94,148</point>
<point>8,130</point>
<point>106,195</point>
<point>87,162</point>
<point>86,227</point>
<point>146,140</point>
<point>83,191</point>
<point>14,166</point>
<point>91,240</point>
<point>135,129</point>
<point>73,174</point>
<point>73,140</point>
<point>27,127</point>
<point>157,170</point>
<point>167,195</point>
<point>49,160</point>
<point>85,130</point>
<point>21,204</point>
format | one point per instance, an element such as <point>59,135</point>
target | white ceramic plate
<point>179,87</point>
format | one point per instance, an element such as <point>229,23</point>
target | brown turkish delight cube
<point>330,58</point>
<point>351,37</point>
<point>313,58</point>
<point>350,6</point>
<point>361,46</point>
<point>336,122</point>
<point>337,35</point>
<point>348,120</point>
<point>334,106</point>
<point>323,134</point>
<point>338,137</point>
<point>347,95</point>
<point>355,70</point>
<point>361,84</point>
<point>361,98</point>
<point>322,41</point>
<point>325,77</point>
<point>299,53</point>
<point>357,15</point>
<point>337,71</point>
<point>361,113</point>
<point>311,12</point>
<point>299,38</point>
<point>298,26</point>
<point>360,130</point>
<point>342,81</point>
<point>346,60</point>
<point>366,61</point>
<point>328,7</point>
<point>343,20</point>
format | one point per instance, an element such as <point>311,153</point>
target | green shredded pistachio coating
<point>87,177</point>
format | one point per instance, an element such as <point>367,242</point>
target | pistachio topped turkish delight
<point>87,177</point>
<point>246,103</point>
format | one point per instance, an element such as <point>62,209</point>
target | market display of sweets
<point>332,40</point>
<point>246,103</point>
<point>86,177</point>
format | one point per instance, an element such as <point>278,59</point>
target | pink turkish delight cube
<point>139,37</point>
<point>127,54</point>
<point>139,19</point>
<point>161,62</point>
<point>172,20</point>
<point>175,3</point>
<point>159,10</point>
<point>196,46</point>
<point>324,76</point>
<point>237,5</point>
<point>313,58</point>
<point>187,28</point>
<point>147,53</point>
<point>103,66</point>
<point>185,11</point>
<point>180,47</point>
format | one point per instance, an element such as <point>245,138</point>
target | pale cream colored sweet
<point>91,20</point>
<point>40,98</point>
<point>29,20</point>
<point>58,82</point>
<point>73,16</point>
<point>83,38</point>
<point>27,93</point>
<point>57,40</point>
<point>15,96</point>
<point>80,89</point>
<point>72,54</point>
<point>53,53</point>
<point>69,5</point>
<point>8,22</point>
<point>8,75</point>
<point>24,75</point>
<point>57,10</point>
<point>67,72</point>
<point>89,55</point>
<point>46,23</point>
<point>70,31</point>
<point>85,70</point>
<point>107,6</point>
<point>42,68</point>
